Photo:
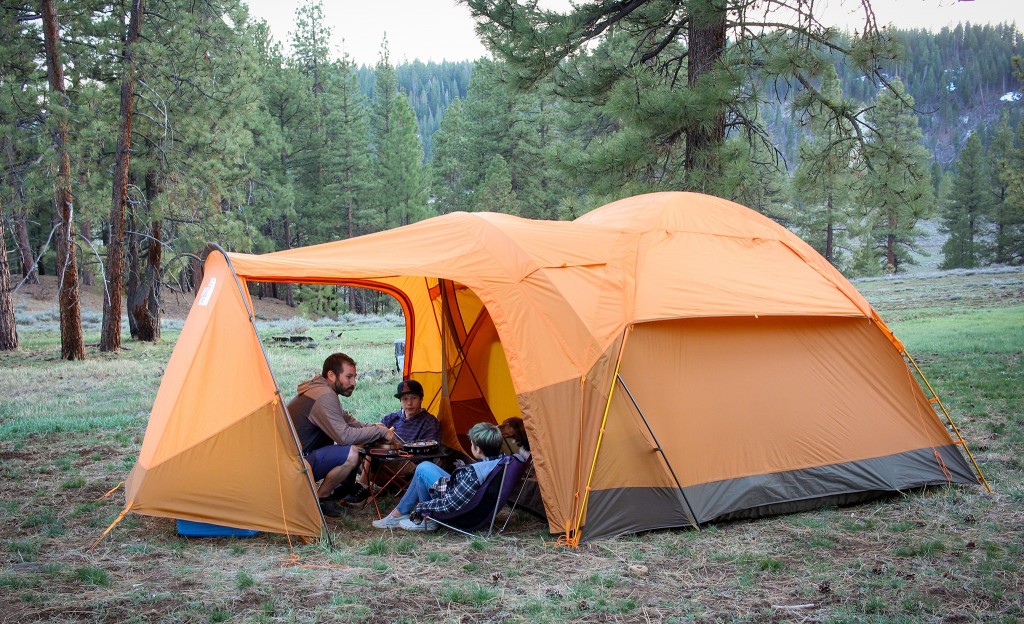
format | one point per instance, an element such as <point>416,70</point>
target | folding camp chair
<point>482,510</point>
<point>519,495</point>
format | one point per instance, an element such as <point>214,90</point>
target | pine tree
<point>348,128</point>
<point>448,166</point>
<point>399,195</point>
<point>514,125</point>
<point>896,192</point>
<point>1005,212</point>
<point>194,147</point>
<point>824,179</point>
<point>970,200</point>
<point>288,104</point>
<point>8,325</point>
<point>753,176</point>
<point>308,137</point>
<point>72,346</point>
<point>110,335</point>
<point>1010,218</point>
<point>670,72</point>
<point>496,194</point>
<point>22,137</point>
<point>401,163</point>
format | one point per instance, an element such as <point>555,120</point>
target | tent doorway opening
<point>450,345</point>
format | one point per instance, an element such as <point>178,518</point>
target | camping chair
<point>522,488</point>
<point>482,510</point>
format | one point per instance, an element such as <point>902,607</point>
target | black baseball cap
<point>409,386</point>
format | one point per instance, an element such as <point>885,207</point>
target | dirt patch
<point>42,297</point>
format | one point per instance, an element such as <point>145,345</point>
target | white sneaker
<point>389,521</point>
<point>426,525</point>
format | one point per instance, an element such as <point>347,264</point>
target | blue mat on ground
<point>189,528</point>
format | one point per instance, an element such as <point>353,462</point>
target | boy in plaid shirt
<point>433,489</point>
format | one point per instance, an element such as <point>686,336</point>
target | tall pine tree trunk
<point>706,30</point>
<point>133,261</point>
<point>196,270</point>
<point>144,302</point>
<point>85,231</point>
<point>890,249</point>
<point>110,337</point>
<point>26,260</point>
<point>351,232</point>
<point>8,326</point>
<point>72,347</point>
<point>289,291</point>
<point>830,231</point>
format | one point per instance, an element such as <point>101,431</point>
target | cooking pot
<point>422,447</point>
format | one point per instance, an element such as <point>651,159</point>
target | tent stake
<point>277,388</point>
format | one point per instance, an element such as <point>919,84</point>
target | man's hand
<point>390,435</point>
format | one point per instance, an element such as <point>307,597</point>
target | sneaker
<point>342,491</point>
<point>358,496</point>
<point>331,508</point>
<point>389,522</point>
<point>426,525</point>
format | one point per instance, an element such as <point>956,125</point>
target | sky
<point>436,30</point>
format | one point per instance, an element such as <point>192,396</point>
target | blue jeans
<point>426,475</point>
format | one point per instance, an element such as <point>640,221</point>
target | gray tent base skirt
<point>630,510</point>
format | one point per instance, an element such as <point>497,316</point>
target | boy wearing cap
<point>411,424</point>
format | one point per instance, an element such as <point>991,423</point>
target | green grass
<point>371,347</point>
<point>379,546</point>
<point>24,549</point>
<point>473,595</point>
<point>73,483</point>
<point>244,580</point>
<point>928,548</point>
<point>93,576</point>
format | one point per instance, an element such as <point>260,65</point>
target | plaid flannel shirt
<point>454,495</point>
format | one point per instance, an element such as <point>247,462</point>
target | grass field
<point>69,432</point>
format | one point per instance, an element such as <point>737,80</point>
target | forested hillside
<point>133,134</point>
<point>961,79</point>
<point>430,87</point>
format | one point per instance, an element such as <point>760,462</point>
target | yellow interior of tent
<point>451,347</point>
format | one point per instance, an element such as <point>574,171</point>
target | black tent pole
<point>657,447</point>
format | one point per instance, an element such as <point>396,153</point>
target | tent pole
<point>574,539</point>
<point>277,389</point>
<point>935,399</point>
<point>446,403</point>
<point>657,446</point>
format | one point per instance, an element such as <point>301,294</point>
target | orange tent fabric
<point>676,358</point>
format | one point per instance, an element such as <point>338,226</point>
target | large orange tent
<point>677,359</point>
